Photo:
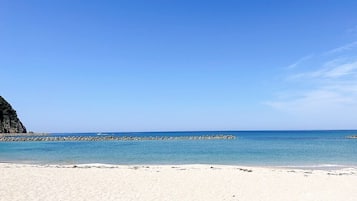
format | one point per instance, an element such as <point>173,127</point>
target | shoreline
<point>95,182</point>
<point>318,167</point>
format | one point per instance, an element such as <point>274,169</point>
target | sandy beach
<point>169,182</point>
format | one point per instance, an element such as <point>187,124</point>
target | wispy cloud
<point>352,30</point>
<point>325,72</point>
<point>348,69</point>
<point>318,100</point>
<point>342,48</point>
<point>299,61</point>
<point>326,91</point>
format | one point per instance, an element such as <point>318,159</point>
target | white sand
<point>184,182</point>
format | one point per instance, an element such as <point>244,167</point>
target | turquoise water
<point>261,148</point>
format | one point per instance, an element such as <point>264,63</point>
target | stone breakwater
<point>113,138</point>
<point>23,134</point>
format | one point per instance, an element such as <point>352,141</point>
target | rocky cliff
<point>9,122</point>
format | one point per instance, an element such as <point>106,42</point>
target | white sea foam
<point>102,134</point>
<point>318,166</point>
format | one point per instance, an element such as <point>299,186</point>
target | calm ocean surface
<point>257,148</point>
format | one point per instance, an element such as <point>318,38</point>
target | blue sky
<point>78,66</point>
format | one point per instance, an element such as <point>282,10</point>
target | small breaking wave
<point>102,134</point>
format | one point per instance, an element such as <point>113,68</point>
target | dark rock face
<point>9,122</point>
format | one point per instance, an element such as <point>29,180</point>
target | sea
<point>300,149</point>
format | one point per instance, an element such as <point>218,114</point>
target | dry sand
<point>170,183</point>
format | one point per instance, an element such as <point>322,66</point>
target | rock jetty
<point>23,134</point>
<point>112,138</point>
<point>9,122</point>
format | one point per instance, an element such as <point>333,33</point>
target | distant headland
<point>9,122</point>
